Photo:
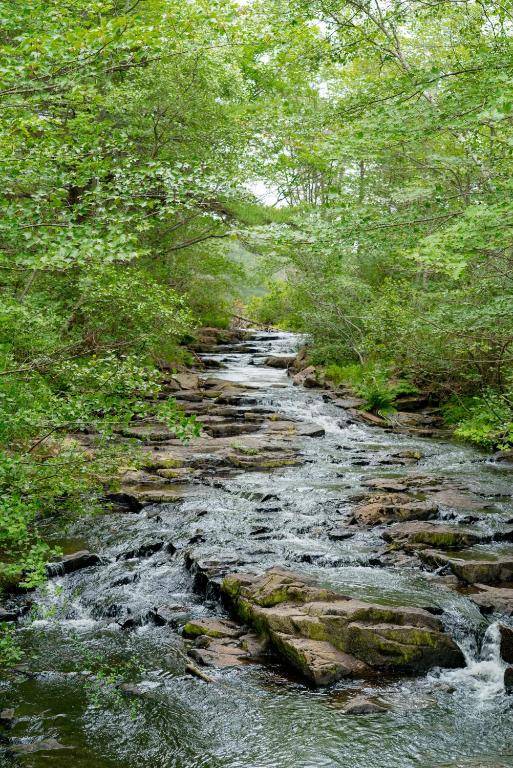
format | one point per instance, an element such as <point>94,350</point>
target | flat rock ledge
<point>473,566</point>
<point>493,599</point>
<point>327,636</point>
<point>417,534</point>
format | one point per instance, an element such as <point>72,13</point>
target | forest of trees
<point>398,158</point>
<point>132,133</point>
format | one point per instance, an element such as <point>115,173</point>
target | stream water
<point>70,710</point>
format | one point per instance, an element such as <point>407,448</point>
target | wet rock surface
<point>424,534</point>
<point>474,566</point>
<point>494,599</point>
<point>387,508</point>
<point>73,562</point>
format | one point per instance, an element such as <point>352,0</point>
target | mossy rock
<point>171,474</point>
<point>402,648</point>
<point>309,625</point>
<point>474,566</point>
<point>156,463</point>
<point>441,536</point>
<point>10,578</point>
<point>217,628</point>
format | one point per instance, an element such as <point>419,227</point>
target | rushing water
<point>255,716</point>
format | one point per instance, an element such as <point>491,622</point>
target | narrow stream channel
<point>65,694</point>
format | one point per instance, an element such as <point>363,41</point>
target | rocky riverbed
<point>302,585</point>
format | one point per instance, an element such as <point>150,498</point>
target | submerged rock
<point>146,549</point>
<point>411,455</point>
<point>327,636</point>
<point>362,705</point>
<point>7,717</point>
<point>46,745</point>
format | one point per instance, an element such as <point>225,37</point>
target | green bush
<point>10,652</point>
<point>371,382</point>
<point>485,420</point>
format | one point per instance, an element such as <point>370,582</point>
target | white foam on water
<point>484,671</point>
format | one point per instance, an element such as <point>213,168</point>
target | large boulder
<point>508,680</point>
<point>327,636</point>
<point>186,380</point>
<point>506,643</point>
<point>301,360</point>
<point>506,456</point>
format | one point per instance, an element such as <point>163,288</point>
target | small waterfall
<point>484,671</point>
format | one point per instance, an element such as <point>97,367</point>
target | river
<point>70,709</point>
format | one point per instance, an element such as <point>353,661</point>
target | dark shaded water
<point>254,716</point>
